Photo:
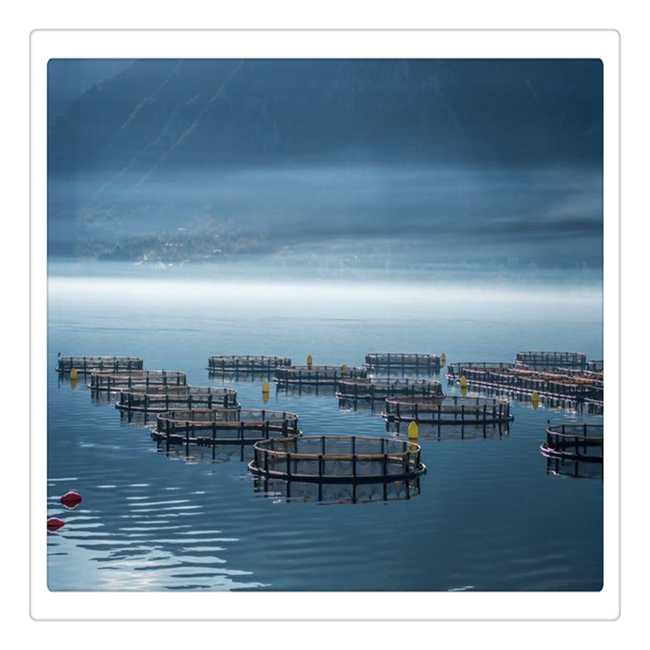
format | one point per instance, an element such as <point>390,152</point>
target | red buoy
<point>54,523</point>
<point>71,500</point>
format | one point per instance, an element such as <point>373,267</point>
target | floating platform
<point>116,381</point>
<point>246,364</point>
<point>583,442</point>
<point>223,426</point>
<point>317,375</point>
<point>338,493</point>
<point>153,399</point>
<point>380,390</point>
<point>385,361</point>
<point>337,459</point>
<point>539,359</point>
<point>85,365</point>
<point>448,411</point>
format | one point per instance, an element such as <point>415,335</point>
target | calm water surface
<point>487,516</point>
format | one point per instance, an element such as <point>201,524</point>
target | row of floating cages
<point>337,459</point>
<point>448,410</point>
<point>224,426</point>
<point>317,375</point>
<point>246,363</point>
<point>558,382</point>
<point>85,365</point>
<point>385,361</point>
<point>116,381</point>
<point>543,359</point>
<point>370,389</point>
<point>575,441</point>
<point>152,399</point>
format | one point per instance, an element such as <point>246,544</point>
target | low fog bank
<point>383,220</point>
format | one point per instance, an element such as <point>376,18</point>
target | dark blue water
<point>488,514</point>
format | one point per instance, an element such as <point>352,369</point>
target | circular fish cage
<point>374,390</point>
<point>246,363</point>
<point>384,361</point>
<point>152,399</point>
<point>337,459</point>
<point>448,411</point>
<point>316,375</point>
<point>86,365</point>
<point>338,493</point>
<point>539,359</point>
<point>223,426</point>
<point>583,442</point>
<point>115,381</point>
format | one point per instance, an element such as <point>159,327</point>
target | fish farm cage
<point>573,468</point>
<point>317,375</point>
<point>552,359</point>
<point>379,390</point>
<point>247,363</point>
<point>86,365</point>
<point>583,442</point>
<point>151,399</point>
<point>224,426</point>
<point>338,493</point>
<point>337,459</point>
<point>559,383</point>
<point>448,411</point>
<point>385,361</point>
<point>116,381</point>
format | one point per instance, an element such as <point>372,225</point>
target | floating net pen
<point>224,426</point>
<point>575,441</point>
<point>552,359</point>
<point>317,375</point>
<point>337,459</point>
<point>91,364</point>
<point>450,411</point>
<point>114,381</point>
<point>403,361</point>
<point>151,399</point>
<point>380,390</point>
<point>246,363</point>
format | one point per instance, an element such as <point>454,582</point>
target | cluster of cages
<point>453,411</point>
<point>337,459</point>
<point>369,389</point>
<point>224,426</point>
<point>85,365</point>
<point>110,382</point>
<point>153,399</point>
<point>578,385</point>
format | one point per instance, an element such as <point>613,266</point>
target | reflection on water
<point>192,517</point>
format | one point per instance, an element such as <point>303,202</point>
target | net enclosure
<point>114,381</point>
<point>380,390</point>
<point>403,361</point>
<point>92,364</point>
<point>575,441</point>
<point>317,375</point>
<point>151,399</point>
<point>540,359</point>
<point>224,426</point>
<point>448,411</point>
<point>246,363</point>
<point>337,459</point>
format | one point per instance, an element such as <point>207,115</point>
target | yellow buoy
<point>534,400</point>
<point>265,391</point>
<point>463,381</point>
<point>73,375</point>
<point>73,384</point>
<point>443,360</point>
<point>463,391</point>
<point>344,369</point>
<point>310,361</point>
<point>414,431</point>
